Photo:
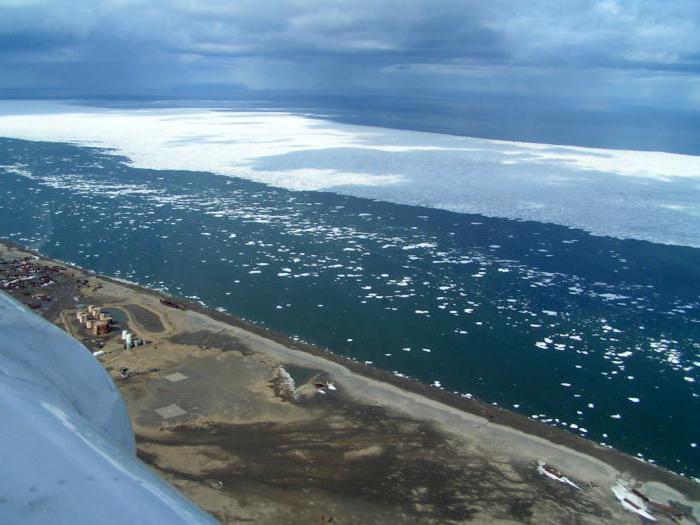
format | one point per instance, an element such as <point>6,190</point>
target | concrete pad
<point>170,411</point>
<point>177,376</point>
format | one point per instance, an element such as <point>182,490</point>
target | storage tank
<point>101,327</point>
<point>128,339</point>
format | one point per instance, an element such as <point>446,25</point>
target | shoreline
<point>496,417</point>
<point>230,413</point>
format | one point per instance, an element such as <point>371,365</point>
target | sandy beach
<point>258,428</point>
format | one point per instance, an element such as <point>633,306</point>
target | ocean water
<point>594,334</point>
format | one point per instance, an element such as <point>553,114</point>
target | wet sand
<point>211,416</point>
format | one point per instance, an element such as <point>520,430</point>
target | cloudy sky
<point>644,51</point>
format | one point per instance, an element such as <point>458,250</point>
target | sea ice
<point>656,195</point>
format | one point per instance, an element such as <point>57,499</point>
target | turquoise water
<point>598,335</point>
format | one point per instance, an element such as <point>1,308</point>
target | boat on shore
<point>552,473</point>
<point>171,304</point>
<point>629,500</point>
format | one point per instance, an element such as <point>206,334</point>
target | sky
<point>643,52</point>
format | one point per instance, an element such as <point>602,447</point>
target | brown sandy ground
<point>247,448</point>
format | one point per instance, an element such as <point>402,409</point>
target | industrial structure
<point>95,320</point>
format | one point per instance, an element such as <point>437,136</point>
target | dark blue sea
<point>597,335</point>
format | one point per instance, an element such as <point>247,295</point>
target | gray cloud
<point>346,46</point>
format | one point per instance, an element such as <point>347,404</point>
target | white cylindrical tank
<point>124,334</point>
<point>127,340</point>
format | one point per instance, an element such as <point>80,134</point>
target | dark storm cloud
<point>649,45</point>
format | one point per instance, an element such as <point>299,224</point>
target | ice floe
<point>655,197</point>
